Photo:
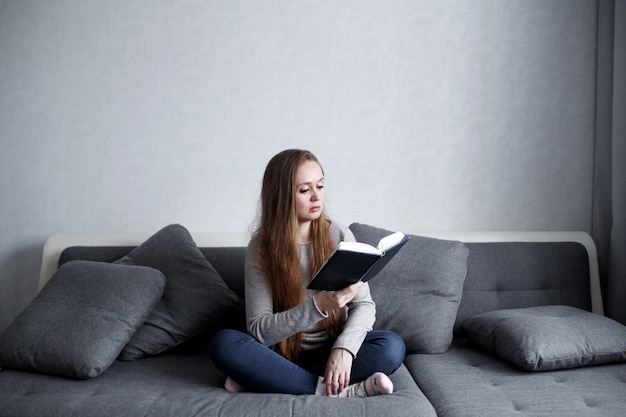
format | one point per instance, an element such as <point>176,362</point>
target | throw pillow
<point>195,296</point>
<point>418,293</point>
<point>548,337</point>
<point>80,321</point>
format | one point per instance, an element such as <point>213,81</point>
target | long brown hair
<point>280,251</point>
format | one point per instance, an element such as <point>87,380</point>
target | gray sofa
<point>496,324</point>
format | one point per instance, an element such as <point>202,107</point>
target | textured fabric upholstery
<point>185,383</point>
<point>464,381</point>
<point>195,295</point>
<point>524,274</point>
<point>81,320</point>
<point>467,382</point>
<point>547,338</point>
<point>418,293</point>
<point>227,261</point>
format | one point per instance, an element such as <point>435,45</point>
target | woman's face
<point>309,191</point>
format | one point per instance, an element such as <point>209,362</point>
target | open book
<point>356,261</point>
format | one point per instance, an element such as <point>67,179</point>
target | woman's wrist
<point>320,309</point>
<point>345,352</point>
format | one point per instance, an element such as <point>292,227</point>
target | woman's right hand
<point>331,300</point>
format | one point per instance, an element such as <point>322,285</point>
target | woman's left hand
<point>338,369</point>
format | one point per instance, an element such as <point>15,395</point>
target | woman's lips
<point>315,209</point>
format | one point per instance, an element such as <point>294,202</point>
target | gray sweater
<point>270,328</point>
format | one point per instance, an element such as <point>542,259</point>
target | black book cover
<point>345,268</point>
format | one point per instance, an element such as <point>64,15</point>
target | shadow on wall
<point>19,276</point>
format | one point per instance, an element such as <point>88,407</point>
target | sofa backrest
<point>57,243</point>
<point>505,269</point>
<point>523,269</point>
<point>227,261</point>
<point>524,274</point>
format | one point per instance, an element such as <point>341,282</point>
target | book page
<point>358,247</point>
<point>390,241</point>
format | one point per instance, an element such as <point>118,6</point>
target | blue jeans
<point>260,369</point>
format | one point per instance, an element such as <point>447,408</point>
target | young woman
<point>302,341</point>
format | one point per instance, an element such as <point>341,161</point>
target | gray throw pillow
<point>417,294</point>
<point>196,298</point>
<point>548,337</point>
<point>80,321</point>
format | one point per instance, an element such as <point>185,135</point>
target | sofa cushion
<point>185,384</point>
<point>418,293</point>
<point>80,321</point>
<point>466,381</point>
<point>548,337</point>
<point>195,297</point>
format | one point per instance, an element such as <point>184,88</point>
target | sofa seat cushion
<point>468,382</point>
<point>418,293</point>
<point>185,383</point>
<point>80,321</point>
<point>548,337</point>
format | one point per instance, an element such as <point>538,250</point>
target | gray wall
<point>427,115</point>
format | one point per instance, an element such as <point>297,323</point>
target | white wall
<point>427,115</point>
